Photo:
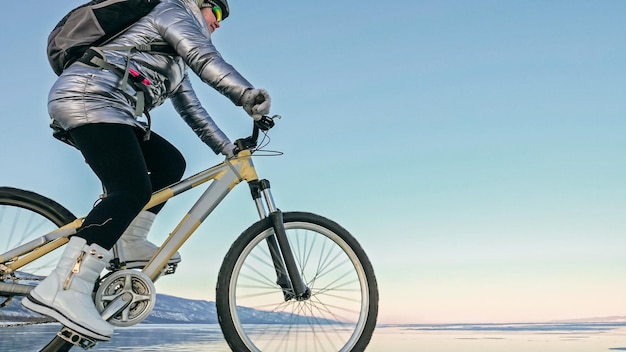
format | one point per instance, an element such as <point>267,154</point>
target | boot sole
<point>33,304</point>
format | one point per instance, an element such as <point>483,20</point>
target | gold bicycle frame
<point>225,177</point>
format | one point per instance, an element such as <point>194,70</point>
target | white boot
<point>136,248</point>
<point>66,294</point>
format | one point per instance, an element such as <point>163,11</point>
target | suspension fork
<point>287,273</point>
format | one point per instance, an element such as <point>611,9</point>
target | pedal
<point>170,269</point>
<point>76,339</point>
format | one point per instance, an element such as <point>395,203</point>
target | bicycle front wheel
<point>341,313</point>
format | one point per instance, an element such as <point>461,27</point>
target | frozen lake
<point>585,337</point>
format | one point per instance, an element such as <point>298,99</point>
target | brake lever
<point>264,123</point>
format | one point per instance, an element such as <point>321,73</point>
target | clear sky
<point>475,148</point>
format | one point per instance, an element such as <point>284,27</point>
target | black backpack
<point>92,25</point>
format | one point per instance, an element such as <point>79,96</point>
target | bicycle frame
<point>225,177</point>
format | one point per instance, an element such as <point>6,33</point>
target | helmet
<point>223,4</point>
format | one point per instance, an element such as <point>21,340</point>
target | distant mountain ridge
<point>167,310</point>
<point>170,310</point>
<point>175,310</point>
<point>609,319</point>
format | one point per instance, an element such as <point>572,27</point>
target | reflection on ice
<point>583,337</point>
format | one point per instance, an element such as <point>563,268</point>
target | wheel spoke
<point>24,217</point>
<point>338,316</point>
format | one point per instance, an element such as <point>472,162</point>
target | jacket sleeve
<point>185,31</point>
<point>189,108</point>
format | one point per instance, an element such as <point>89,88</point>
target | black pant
<point>130,169</point>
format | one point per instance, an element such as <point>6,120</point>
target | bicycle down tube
<point>226,176</point>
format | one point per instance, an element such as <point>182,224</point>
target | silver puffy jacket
<point>84,94</point>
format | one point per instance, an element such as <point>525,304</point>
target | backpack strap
<point>154,47</point>
<point>95,57</point>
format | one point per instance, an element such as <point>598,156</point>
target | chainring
<point>135,287</point>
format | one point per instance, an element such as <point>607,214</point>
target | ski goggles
<point>217,11</point>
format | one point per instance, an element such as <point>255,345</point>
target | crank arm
<point>117,305</point>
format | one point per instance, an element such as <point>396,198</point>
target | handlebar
<point>263,124</point>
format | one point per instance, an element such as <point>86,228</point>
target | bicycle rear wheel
<point>341,313</point>
<point>24,216</point>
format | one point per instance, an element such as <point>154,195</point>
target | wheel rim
<point>339,293</point>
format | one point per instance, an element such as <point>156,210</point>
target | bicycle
<point>304,267</point>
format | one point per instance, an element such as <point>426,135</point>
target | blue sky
<point>475,148</point>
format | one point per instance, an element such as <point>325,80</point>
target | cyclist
<point>94,109</point>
